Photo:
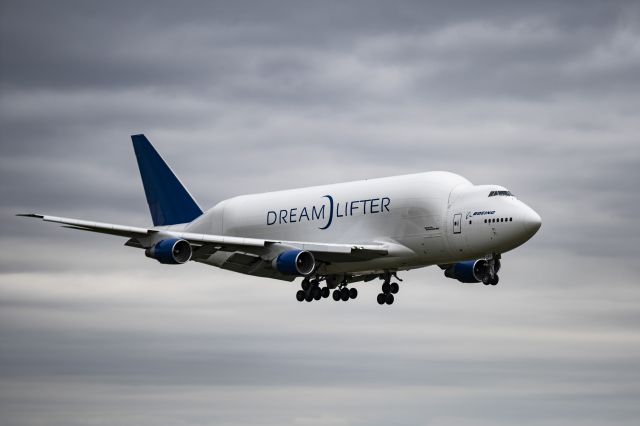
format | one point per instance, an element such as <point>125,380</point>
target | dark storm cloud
<point>243,97</point>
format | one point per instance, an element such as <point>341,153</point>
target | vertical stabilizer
<point>169,201</point>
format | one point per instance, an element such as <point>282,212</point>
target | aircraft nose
<point>530,221</point>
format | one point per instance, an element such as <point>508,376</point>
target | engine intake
<point>470,271</point>
<point>173,251</point>
<point>294,262</point>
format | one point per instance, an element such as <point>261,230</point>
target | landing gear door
<point>457,223</point>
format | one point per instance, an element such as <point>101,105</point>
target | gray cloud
<point>244,97</point>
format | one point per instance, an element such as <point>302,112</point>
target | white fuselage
<point>428,218</point>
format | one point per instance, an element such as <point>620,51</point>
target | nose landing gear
<point>488,280</point>
<point>493,266</point>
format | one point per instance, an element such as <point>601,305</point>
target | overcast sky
<point>240,97</point>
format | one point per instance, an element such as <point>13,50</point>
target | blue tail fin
<point>169,201</point>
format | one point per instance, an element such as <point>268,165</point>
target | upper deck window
<point>500,193</point>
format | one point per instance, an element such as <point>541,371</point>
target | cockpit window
<point>500,193</point>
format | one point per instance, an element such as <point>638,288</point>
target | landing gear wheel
<point>381,298</point>
<point>495,280</point>
<point>389,299</point>
<point>353,293</point>
<point>317,293</point>
<point>300,295</point>
<point>325,292</point>
<point>344,293</point>
<point>394,288</point>
<point>308,297</point>
<point>336,295</point>
<point>386,288</point>
<point>486,280</point>
<point>305,285</point>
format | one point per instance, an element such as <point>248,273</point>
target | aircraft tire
<point>300,295</point>
<point>389,299</point>
<point>395,288</point>
<point>344,294</point>
<point>386,288</point>
<point>381,298</point>
<point>336,295</point>
<point>325,292</point>
<point>495,280</point>
<point>353,293</point>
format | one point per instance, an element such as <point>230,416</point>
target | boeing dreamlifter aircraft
<point>333,234</point>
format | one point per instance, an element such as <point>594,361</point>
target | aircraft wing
<point>84,225</point>
<point>206,244</point>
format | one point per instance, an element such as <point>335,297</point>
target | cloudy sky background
<point>239,97</point>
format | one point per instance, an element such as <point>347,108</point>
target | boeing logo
<point>469,214</point>
<point>328,210</point>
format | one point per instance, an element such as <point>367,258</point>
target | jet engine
<point>470,271</point>
<point>294,262</point>
<point>173,251</point>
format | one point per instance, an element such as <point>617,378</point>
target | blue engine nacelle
<point>171,252</point>
<point>294,262</point>
<point>470,271</point>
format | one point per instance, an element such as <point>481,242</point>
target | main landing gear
<point>344,293</point>
<point>388,289</point>
<point>311,289</point>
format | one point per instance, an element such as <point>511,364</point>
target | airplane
<point>331,236</point>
